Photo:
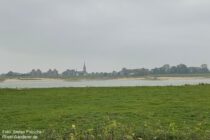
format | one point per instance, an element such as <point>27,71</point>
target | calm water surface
<point>46,83</point>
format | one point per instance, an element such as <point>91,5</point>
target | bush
<point>113,130</point>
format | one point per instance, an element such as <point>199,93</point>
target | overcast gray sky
<point>107,34</point>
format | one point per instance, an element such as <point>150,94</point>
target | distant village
<point>124,72</point>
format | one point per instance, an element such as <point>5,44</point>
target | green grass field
<point>184,107</point>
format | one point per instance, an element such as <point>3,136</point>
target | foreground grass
<point>141,110</point>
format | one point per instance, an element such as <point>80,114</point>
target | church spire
<point>84,68</point>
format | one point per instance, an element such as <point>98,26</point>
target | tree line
<point>166,69</point>
<point>124,72</point>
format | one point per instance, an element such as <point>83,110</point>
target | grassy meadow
<point>172,112</point>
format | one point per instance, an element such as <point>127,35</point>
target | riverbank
<point>2,79</point>
<point>119,82</point>
<point>152,77</point>
<point>164,78</point>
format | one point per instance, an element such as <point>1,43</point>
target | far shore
<point>119,78</point>
<point>1,80</point>
<point>163,78</point>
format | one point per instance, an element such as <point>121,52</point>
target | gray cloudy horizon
<point>106,34</point>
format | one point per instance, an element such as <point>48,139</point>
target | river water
<point>47,83</point>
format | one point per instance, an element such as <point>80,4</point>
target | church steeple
<point>84,68</point>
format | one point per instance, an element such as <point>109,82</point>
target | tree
<point>182,69</point>
<point>204,68</point>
